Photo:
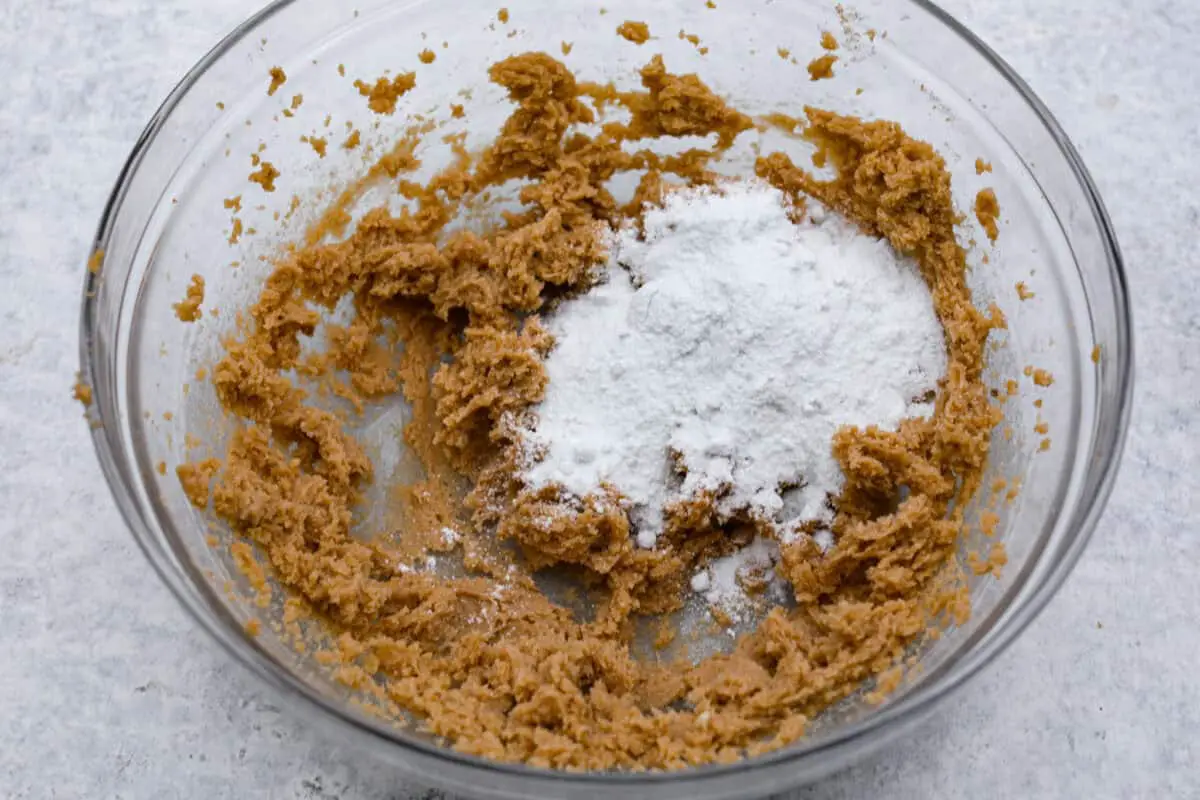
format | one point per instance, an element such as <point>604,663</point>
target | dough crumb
<point>82,392</point>
<point>987,210</point>
<point>821,68</point>
<point>1042,378</point>
<point>383,95</point>
<point>828,41</point>
<point>353,140</point>
<point>319,145</point>
<point>188,309</point>
<point>993,564</point>
<point>1023,291</point>
<point>636,32</point>
<point>502,15</point>
<point>96,262</point>
<point>235,233</point>
<point>278,79</point>
<point>566,48</point>
<point>265,176</point>
<point>234,203</point>
<point>982,166</point>
<point>427,56</point>
<point>1096,354</point>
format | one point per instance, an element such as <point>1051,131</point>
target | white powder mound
<point>734,343</point>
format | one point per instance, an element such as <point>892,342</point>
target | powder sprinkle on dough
<point>674,357</point>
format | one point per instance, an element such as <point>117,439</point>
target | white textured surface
<point>107,690</point>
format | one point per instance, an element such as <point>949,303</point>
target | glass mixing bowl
<point>166,220</point>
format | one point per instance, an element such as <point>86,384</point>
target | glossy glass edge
<point>1094,493</point>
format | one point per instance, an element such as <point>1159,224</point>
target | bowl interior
<point>172,221</point>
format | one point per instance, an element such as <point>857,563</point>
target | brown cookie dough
<point>486,660</point>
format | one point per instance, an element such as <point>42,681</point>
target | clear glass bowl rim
<point>912,706</point>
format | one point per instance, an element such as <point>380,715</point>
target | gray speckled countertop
<point>108,690</point>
